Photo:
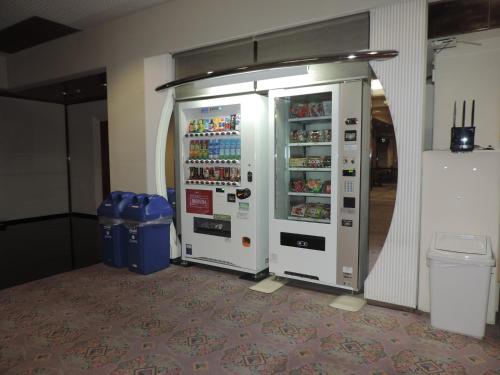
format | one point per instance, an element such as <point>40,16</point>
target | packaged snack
<point>327,135</point>
<point>297,162</point>
<point>326,208</point>
<point>298,136</point>
<point>327,161</point>
<point>298,210</point>
<point>327,187</point>
<point>314,211</point>
<point>299,110</point>
<point>314,162</point>
<point>316,109</point>
<point>314,136</point>
<point>297,185</point>
<point>313,186</point>
<point>327,108</point>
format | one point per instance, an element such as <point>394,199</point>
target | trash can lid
<point>145,207</point>
<point>114,204</point>
<point>469,249</point>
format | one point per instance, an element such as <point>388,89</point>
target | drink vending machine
<point>223,181</point>
<point>319,178</point>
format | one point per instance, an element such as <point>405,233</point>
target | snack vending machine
<point>320,183</point>
<point>223,181</point>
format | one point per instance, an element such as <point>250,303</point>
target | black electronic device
<point>462,138</point>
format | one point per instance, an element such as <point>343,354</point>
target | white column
<point>402,26</point>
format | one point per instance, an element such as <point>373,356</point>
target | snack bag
<point>298,210</point>
<point>313,186</point>
<point>298,136</point>
<point>314,211</point>
<point>297,185</point>
<point>315,136</point>
<point>327,135</point>
<point>327,187</point>
<point>314,162</point>
<point>297,162</point>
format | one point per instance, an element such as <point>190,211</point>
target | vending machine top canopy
<point>285,66</point>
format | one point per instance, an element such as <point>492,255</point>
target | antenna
<point>455,114</point>
<point>472,115</point>
<point>463,115</point>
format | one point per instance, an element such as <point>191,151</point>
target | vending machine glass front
<point>303,157</point>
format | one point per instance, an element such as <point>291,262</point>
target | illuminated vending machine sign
<point>199,202</point>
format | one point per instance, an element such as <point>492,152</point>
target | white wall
<point>84,146</point>
<point>3,72</point>
<point>32,159</point>
<point>461,195</point>
<point>122,45</point>
<point>469,72</point>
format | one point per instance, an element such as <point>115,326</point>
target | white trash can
<point>460,275</point>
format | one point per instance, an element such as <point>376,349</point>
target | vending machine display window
<point>303,133</point>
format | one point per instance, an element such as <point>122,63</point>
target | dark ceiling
<point>453,17</point>
<point>31,32</point>
<point>73,91</point>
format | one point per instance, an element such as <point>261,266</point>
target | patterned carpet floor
<point>100,320</point>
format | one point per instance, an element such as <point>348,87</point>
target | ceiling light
<point>350,57</point>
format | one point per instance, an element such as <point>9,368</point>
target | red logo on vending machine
<point>199,201</point>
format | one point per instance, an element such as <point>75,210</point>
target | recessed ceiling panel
<point>31,32</point>
<point>80,14</point>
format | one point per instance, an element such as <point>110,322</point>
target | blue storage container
<point>171,197</point>
<point>113,231</point>
<point>148,218</point>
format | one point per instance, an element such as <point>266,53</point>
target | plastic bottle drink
<point>238,149</point>
<point>196,149</point>
<point>222,149</point>
<point>232,151</point>
<point>216,148</point>
<point>202,149</point>
<point>210,155</point>
<point>227,149</point>
<point>205,150</point>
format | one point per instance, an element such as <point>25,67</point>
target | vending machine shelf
<point>309,119</point>
<point>218,183</point>
<point>319,195</point>
<point>211,134</point>
<point>212,161</point>
<point>310,220</point>
<point>310,169</point>
<point>308,144</point>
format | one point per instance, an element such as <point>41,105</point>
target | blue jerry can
<point>148,218</point>
<point>113,231</point>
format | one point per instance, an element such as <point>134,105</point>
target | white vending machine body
<point>223,200</point>
<point>317,203</point>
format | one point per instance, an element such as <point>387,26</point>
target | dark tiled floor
<point>99,320</point>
